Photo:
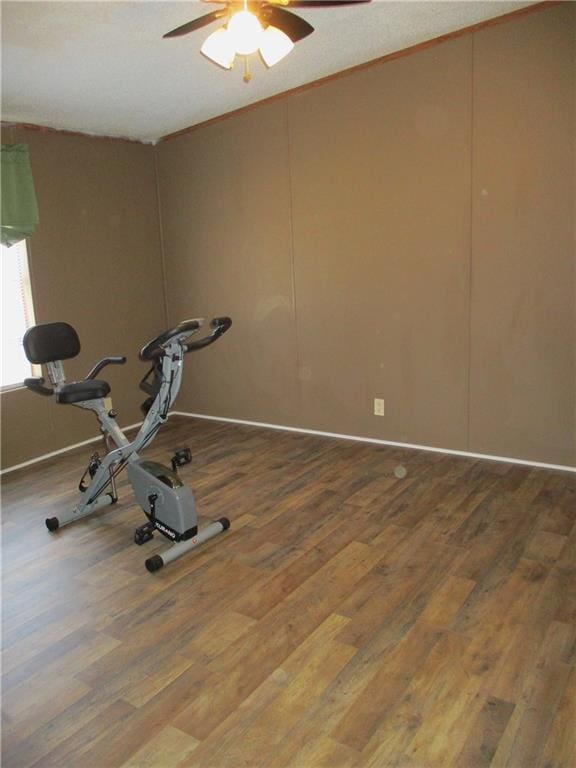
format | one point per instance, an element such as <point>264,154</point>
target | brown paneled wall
<point>406,232</point>
<point>226,218</point>
<point>380,177</point>
<point>522,386</point>
<point>95,264</point>
<point>403,232</point>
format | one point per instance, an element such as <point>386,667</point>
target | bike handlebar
<point>155,348</point>
<point>102,364</point>
<point>36,385</point>
<point>219,326</point>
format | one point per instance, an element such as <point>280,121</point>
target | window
<point>17,315</point>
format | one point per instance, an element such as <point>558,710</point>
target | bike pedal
<point>181,457</point>
<point>143,533</point>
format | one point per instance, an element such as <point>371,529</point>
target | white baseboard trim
<point>44,456</point>
<point>375,441</point>
<point>284,428</point>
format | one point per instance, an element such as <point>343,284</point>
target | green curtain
<point>19,206</point>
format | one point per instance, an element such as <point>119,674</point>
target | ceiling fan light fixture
<point>245,31</point>
<point>274,45</point>
<point>219,47</point>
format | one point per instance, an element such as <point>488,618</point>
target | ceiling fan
<point>254,25</point>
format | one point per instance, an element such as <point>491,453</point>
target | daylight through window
<point>17,315</point>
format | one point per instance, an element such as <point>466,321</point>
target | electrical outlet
<point>378,407</point>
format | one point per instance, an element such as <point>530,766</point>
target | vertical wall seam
<point>471,244</point>
<point>292,256</point>
<point>574,231</point>
<point>161,236</point>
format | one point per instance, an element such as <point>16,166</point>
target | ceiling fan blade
<point>292,25</point>
<point>324,3</point>
<point>190,26</point>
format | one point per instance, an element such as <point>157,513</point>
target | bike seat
<point>77,391</point>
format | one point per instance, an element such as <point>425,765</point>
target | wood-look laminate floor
<point>349,617</point>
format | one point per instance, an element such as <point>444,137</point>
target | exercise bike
<point>167,503</point>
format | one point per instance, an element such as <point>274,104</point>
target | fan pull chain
<point>247,74</point>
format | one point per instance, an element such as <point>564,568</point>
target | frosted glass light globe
<point>274,45</point>
<point>219,48</point>
<point>246,32</point>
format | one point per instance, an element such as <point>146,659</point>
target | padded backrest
<point>51,341</point>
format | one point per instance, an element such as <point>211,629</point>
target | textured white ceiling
<point>103,67</point>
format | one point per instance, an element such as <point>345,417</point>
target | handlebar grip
<point>119,360</point>
<point>221,322</point>
<point>219,326</point>
<point>36,385</point>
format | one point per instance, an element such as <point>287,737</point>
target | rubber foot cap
<point>154,563</point>
<point>52,523</point>
<point>225,523</point>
